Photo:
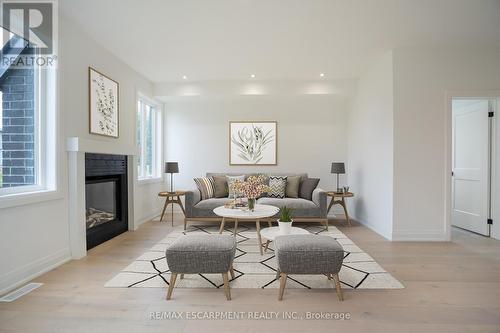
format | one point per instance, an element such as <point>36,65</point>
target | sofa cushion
<point>277,185</point>
<point>221,188</point>
<point>307,187</point>
<point>292,186</point>
<point>293,203</point>
<point>206,186</point>
<point>210,204</point>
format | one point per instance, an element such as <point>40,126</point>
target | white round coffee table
<point>271,233</point>
<point>259,213</point>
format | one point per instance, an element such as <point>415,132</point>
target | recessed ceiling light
<point>184,77</point>
<point>252,75</point>
<point>322,74</point>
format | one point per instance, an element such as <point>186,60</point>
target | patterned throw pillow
<point>230,181</point>
<point>206,185</point>
<point>278,187</point>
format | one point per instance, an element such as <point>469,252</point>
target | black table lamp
<point>338,168</point>
<point>171,168</point>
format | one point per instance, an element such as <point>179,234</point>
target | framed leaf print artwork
<point>253,143</point>
<point>103,104</point>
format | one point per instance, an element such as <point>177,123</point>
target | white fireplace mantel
<point>77,144</point>
<point>77,147</point>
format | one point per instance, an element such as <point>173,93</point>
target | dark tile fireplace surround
<point>105,197</point>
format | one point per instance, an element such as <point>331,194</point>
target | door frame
<point>472,94</point>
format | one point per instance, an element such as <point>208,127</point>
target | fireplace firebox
<point>105,197</point>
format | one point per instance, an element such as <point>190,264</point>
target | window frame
<point>157,140</point>
<point>38,146</point>
<point>46,131</point>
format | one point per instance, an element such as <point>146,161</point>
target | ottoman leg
<point>231,271</point>
<point>338,287</point>
<point>173,277</point>
<point>182,276</point>
<point>282,286</point>
<point>227,291</point>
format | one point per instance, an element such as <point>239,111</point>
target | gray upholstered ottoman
<point>308,254</point>
<point>201,254</point>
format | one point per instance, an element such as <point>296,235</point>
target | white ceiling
<point>276,39</point>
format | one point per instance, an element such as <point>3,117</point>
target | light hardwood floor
<point>450,287</point>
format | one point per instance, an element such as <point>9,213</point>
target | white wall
<point>34,237</point>
<point>370,163</point>
<point>422,79</point>
<point>312,132</point>
<point>75,60</point>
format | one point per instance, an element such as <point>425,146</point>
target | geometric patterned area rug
<point>253,270</point>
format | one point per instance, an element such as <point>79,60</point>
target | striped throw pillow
<point>206,185</point>
<point>277,185</point>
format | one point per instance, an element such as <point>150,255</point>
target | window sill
<point>145,181</point>
<point>27,198</point>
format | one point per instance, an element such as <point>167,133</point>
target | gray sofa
<point>303,210</point>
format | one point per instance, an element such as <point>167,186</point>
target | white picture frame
<point>103,104</point>
<point>253,143</point>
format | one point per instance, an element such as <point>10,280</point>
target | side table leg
<point>348,220</point>
<point>259,238</point>
<point>267,245</point>
<point>172,214</point>
<point>164,208</point>
<point>332,202</point>
<point>182,206</point>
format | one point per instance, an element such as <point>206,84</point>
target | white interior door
<point>471,165</point>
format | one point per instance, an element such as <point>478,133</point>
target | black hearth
<point>105,197</point>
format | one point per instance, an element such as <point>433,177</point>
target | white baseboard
<point>383,233</point>
<point>419,235</point>
<point>28,272</point>
<point>146,219</point>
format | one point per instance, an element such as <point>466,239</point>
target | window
<point>19,156</point>
<point>148,139</point>
<point>27,127</point>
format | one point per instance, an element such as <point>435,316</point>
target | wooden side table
<point>341,202</point>
<point>172,198</point>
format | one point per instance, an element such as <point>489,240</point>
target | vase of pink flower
<point>252,188</point>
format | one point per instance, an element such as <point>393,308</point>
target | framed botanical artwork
<point>253,143</point>
<point>103,104</point>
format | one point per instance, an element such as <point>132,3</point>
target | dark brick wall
<point>18,160</point>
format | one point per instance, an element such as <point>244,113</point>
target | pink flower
<point>253,187</point>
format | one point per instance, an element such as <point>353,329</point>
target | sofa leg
<point>185,223</point>
<point>282,286</point>
<point>338,287</point>
<point>326,224</point>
